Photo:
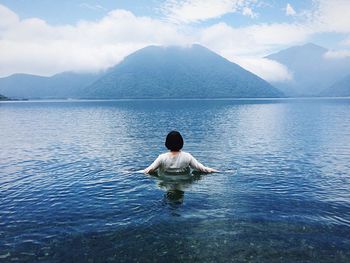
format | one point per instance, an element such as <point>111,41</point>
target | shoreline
<point>176,99</point>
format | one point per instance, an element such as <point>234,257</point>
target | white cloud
<point>331,16</point>
<point>35,47</point>
<point>245,46</point>
<point>252,40</point>
<point>189,11</point>
<point>290,10</point>
<point>247,11</point>
<point>7,17</point>
<point>279,33</point>
<point>337,54</point>
<point>93,7</point>
<point>346,42</point>
<point>267,69</point>
<point>232,40</point>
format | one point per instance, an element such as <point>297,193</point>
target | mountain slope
<point>63,85</point>
<point>312,70</point>
<point>175,72</point>
<point>2,97</point>
<point>339,89</point>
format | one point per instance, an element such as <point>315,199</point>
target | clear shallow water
<point>70,190</point>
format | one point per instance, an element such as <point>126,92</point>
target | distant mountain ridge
<point>312,71</point>
<point>2,97</point>
<point>179,72</point>
<point>62,85</point>
<point>339,89</point>
<point>193,72</point>
<point>152,72</point>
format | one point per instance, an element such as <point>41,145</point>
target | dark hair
<point>174,141</point>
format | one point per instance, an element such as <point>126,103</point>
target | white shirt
<point>176,163</point>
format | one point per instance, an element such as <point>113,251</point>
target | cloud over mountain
<point>34,46</point>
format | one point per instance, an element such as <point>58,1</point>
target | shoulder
<point>162,155</point>
<point>160,159</point>
<point>186,155</point>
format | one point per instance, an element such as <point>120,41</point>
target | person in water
<point>176,161</point>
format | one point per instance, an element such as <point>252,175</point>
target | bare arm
<point>200,167</point>
<point>153,166</point>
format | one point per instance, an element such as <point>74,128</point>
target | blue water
<point>70,190</point>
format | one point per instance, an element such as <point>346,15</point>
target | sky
<point>45,37</point>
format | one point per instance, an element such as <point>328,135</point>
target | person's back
<point>176,161</point>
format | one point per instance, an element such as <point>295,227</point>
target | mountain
<point>339,89</point>
<point>178,72</point>
<point>152,72</point>
<point>312,70</point>
<point>63,85</point>
<point>2,97</point>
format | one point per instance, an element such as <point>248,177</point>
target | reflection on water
<point>176,185</point>
<point>175,195</point>
<point>68,191</point>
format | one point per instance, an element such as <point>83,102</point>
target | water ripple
<point>69,186</point>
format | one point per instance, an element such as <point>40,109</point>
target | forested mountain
<point>313,71</point>
<point>63,85</point>
<point>179,72</point>
<point>339,89</point>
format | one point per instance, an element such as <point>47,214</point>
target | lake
<point>71,190</point>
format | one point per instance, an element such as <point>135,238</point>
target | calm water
<point>70,190</point>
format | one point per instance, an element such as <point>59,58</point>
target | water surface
<point>70,190</point>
